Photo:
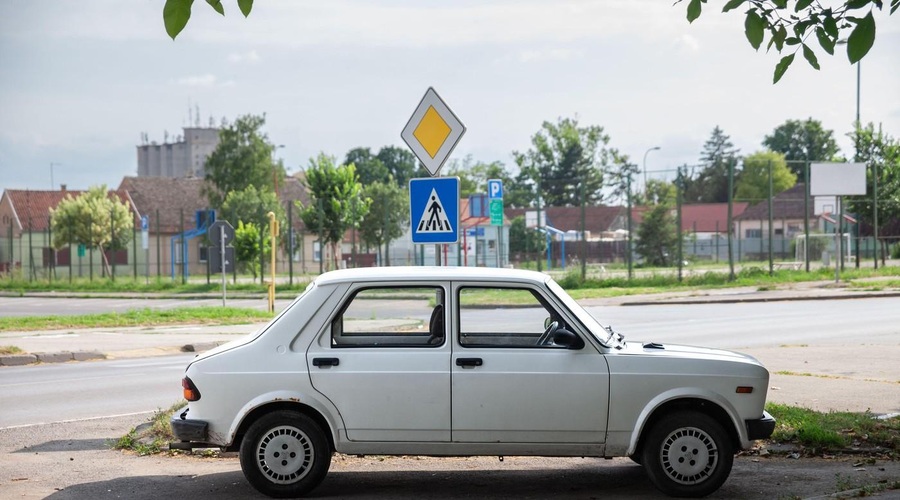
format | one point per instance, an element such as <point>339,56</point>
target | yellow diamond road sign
<point>432,132</point>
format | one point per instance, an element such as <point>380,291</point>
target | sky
<point>80,82</point>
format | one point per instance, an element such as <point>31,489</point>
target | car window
<point>391,317</point>
<point>504,317</point>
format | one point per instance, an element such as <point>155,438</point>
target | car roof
<point>430,273</point>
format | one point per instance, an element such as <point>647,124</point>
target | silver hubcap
<point>284,454</point>
<point>689,455</point>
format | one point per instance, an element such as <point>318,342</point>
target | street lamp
<point>654,148</point>
<point>52,184</point>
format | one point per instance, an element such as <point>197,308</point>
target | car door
<point>385,363</point>
<point>508,389</point>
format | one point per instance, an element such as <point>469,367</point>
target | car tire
<point>687,454</point>
<point>285,454</point>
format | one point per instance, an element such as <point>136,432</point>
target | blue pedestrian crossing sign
<point>434,210</point>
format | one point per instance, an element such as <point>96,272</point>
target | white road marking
<point>86,419</point>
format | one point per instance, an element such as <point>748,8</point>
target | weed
<point>834,430</point>
<point>151,437</point>
<point>10,349</point>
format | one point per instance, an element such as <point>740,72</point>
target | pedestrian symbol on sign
<point>434,218</point>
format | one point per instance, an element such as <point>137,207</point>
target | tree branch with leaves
<point>792,29</point>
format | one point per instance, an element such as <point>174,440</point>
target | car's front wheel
<point>285,454</point>
<point>687,454</point>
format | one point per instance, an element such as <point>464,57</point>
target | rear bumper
<point>760,428</point>
<point>189,430</point>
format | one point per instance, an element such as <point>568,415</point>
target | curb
<point>49,357</point>
<point>66,356</point>
<point>792,298</point>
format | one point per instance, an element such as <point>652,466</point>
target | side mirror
<point>568,339</point>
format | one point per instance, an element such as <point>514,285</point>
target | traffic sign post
<point>431,133</point>
<point>495,194</point>
<point>220,235</point>
<point>145,244</point>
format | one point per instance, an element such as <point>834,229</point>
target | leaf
<point>831,27</point>
<point>217,6</point>
<point>802,4</point>
<point>782,66</point>
<point>779,38</point>
<point>894,5</point>
<point>781,4</point>
<point>176,14</point>
<point>810,57</point>
<point>792,41</point>
<point>857,4</point>
<point>861,39</point>
<point>754,29</point>
<point>733,4</point>
<point>246,6</point>
<point>825,41</point>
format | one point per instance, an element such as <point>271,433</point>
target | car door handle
<point>320,362</point>
<point>469,362</point>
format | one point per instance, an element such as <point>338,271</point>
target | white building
<point>186,157</point>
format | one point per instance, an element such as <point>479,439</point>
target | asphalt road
<point>72,391</point>
<point>54,438</point>
<point>52,393</point>
<point>737,325</point>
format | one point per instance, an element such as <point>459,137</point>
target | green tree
<point>332,210</point>
<point>401,164</point>
<point>368,166</point>
<point>96,218</point>
<point>252,205</point>
<point>566,160</point>
<point>659,191</point>
<point>523,239</point>
<point>802,141</point>
<point>657,236</point>
<point>247,248</point>
<point>387,216</point>
<point>710,185</point>
<point>753,183</point>
<point>244,157</point>
<point>882,153</point>
<point>473,175</point>
<point>790,28</point>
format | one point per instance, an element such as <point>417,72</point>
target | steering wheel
<point>545,338</point>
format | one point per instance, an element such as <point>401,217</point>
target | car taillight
<point>190,390</point>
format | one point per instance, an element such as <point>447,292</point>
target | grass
<point>10,349</point>
<point>651,280</point>
<point>152,437</point>
<point>834,431</point>
<point>137,317</point>
<point>130,285</point>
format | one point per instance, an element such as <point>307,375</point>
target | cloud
<point>529,56</point>
<point>197,81</point>
<point>687,43</point>
<point>249,57</point>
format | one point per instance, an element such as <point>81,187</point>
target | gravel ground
<point>73,461</point>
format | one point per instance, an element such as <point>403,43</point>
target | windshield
<point>602,334</point>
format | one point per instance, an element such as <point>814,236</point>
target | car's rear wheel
<point>285,454</point>
<point>687,454</point>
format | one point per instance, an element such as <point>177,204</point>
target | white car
<point>463,361</point>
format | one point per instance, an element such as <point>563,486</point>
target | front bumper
<point>760,428</point>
